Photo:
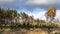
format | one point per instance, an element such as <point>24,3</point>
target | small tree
<point>51,13</point>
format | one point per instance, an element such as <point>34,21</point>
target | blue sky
<point>37,8</point>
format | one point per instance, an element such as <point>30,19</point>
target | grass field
<point>26,28</point>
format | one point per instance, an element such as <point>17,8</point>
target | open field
<point>29,31</point>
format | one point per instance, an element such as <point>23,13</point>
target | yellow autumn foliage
<point>51,13</point>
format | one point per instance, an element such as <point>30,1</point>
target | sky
<point>37,8</point>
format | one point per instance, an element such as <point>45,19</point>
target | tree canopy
<point>51,13</point>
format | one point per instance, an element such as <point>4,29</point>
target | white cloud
<point>38,2</point>
<point>40,15</point>
<point>58,14</point>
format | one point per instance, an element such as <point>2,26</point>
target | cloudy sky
<point>37,8</point>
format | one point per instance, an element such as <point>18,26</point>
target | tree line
<point>7,16</point>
